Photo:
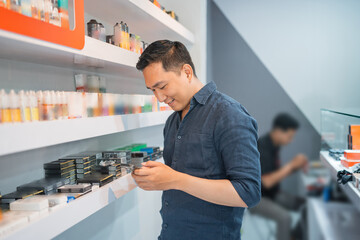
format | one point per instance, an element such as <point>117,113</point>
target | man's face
<point>169,87</point>
<point>286,137</point>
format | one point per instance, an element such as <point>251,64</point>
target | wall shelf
<point>27,136</point>
<point>335,166</point>
<point>143,18</point>
<point>75,211</point>
<point>96,55</point>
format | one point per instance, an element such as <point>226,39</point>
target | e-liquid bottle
<point>65,105</point>
<point>117,35</point>
<point>40,100</point>
<point>14,107</point>
<point>34,9</point>
<point>41,9</point>
<point>15,5</point>
<point>47,107</point>
<point>105,105</point>
<point>111,100</point>
<point>102,33</point>
<point>64,13</point>
<point>127,37</point>
<point>26,7</point>
<point>54,14</point>
<point>55,105</point>
<point>47,10</point>
<point>132,42</point>
<point>24,106</point>
<point>102,84</point>
<point>4,107</point>
<point>59,106</point>
<point>34,108</point>
<point>123,35</point>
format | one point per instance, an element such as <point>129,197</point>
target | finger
<point>142,171</point>
<point>152,164</point>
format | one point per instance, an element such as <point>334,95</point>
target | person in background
<point>212,167</point>
<point>275,204</point>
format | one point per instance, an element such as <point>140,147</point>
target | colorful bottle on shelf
<point>65,105</point>
<point>127,39</point>
<point>34,9</point>
<point>5,107</point>
<point>54,14</point>
<point>64,13</point>
<point>24,106</point>
<point>26,7</point>
<point>117,35</point>
<point>15,5</point>
<point>14,107</point>
<point>34,109</point>
<point>47,10</point>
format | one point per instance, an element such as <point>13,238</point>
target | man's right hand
<point>299,161</point>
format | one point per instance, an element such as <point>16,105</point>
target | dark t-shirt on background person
<point>270,162</point>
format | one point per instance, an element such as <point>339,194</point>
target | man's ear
<point>188,72</point>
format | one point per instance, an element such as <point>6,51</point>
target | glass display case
<point>340,129</point>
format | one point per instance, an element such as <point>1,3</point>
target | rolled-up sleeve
<point>236,140</point>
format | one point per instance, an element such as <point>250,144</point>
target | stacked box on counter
<point>62,168</point>
<point>84,162</point>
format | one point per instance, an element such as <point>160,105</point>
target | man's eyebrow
<point>156,84</point>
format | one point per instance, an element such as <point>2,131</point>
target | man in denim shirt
<point>212,169</point>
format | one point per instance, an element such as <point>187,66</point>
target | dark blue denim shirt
<point>217,139</point>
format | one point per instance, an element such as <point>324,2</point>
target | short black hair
<point>172,55</point>
<point>284,121</point>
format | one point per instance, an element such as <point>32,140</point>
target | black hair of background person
<point>238,72</point>
<point>285,121</point>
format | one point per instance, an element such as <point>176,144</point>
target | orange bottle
<point>14,107</point>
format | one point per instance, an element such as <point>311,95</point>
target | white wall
<point>192,14</point>
<point>311,47</point>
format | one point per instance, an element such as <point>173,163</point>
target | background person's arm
<point>270,179</point>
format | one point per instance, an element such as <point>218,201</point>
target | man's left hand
<point>156,176</point>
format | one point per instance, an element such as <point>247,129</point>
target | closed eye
<point>163,87</point>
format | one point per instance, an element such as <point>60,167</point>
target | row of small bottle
<point>55,12</point>
<point>121,37</point>
<point>26,106</point>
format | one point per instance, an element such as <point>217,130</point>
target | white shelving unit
<point>332,220</point>
<point>96,55</point>
<point>143,18</point>
<point>349,188</point>
<point>75,211</point>
<point>27,136</point>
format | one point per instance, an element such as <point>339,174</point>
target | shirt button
<point>179,137</point>
<point>166,203</point>
<point>165,226</point>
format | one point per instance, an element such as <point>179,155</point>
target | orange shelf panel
<point>24,25</point>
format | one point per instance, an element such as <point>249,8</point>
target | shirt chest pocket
<point>199,151</point>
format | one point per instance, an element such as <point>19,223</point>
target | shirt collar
<point>205,92</point>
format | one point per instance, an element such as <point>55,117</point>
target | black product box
<point>59,164</point>
<point>155,149</point>
<point>48,185</point>
<point>116,154</point>
<point>11,197</point>
<point>82,175</point>
<point>138,154</point>
<point>85,169</point>
<point>97,178</point>
<point>56,173</point>
<point>86,164</point>
<point>79,188</point>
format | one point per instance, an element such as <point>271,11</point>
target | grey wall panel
<point>238,72</point>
